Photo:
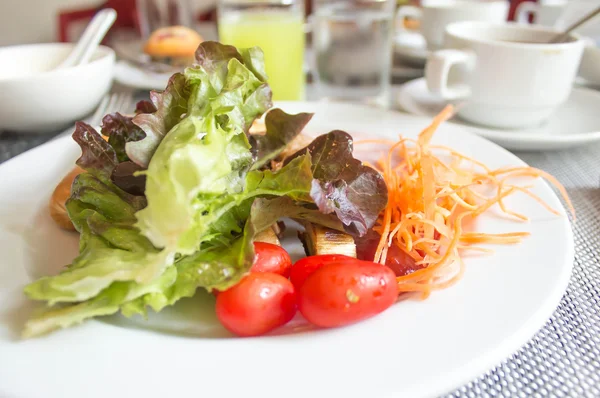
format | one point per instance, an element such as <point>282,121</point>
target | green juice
<point>281,37</point>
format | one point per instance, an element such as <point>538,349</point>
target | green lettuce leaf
<point>172,202</point>
<point>254,59</point>
<point>342,184</point>
<point>285,207</point>
<point>206,155</point>
<point>107,160</point>
<point>222,264</point>
<point>98,157</point>
<point>120,130</point>
<point>227,218</point>
<point>281,128</point>
<point>222,267</point>
<point>107,302</point>
<point>130,178</point>
<point>218,268</point>
<point>170,105</point>
<point>145,107</point>
<point>111,248</point>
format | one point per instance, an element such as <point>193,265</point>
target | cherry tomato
<point>307,265</point>
<point>342,293</point>
<point>271,258</point>
<point>259,303</point>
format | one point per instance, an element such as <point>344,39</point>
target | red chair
<point>127,17</point>
<point>513,7</point>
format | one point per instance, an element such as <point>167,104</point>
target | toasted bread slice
<point>58,210</point>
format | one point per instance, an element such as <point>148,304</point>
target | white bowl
<point>37,99</point>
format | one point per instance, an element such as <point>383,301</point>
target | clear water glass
<point>156,14</point>
<point>352,44</point>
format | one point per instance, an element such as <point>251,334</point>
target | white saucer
<point>575,123</point>
<point>133,76</point>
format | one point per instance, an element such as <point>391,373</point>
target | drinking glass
<point>277,27</point>
<point>352,44</point>
<point>155,14</point>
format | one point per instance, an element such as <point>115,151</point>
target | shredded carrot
<point>429,199</point>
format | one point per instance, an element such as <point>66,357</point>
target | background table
<point>563,358</point>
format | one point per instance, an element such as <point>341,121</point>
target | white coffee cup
<point>545,13</point>
<point>434,15</point>
<point>589,69</point>
<point>508,75</point>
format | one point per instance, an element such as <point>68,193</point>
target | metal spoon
<point>563,36</point>
<point>90,39</point>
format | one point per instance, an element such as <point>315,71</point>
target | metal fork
<point>116,102</point>
<point>121,102</point>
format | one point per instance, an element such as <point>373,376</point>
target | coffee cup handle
<point>524,10</point>
<point>437,72</point>
<point>407,12</point>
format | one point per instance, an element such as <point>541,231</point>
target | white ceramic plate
<point>131,75</point>
<point>134,74</point>
<point>415,349</point>
<point>575,123</point>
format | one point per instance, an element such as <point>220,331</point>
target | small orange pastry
<point>173,45</point>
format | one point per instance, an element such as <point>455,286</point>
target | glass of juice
<point>277,27</point>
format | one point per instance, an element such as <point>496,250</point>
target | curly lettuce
<point>172,200</point>
<point>206,155</point>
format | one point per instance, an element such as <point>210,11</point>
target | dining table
<point>563,358</point>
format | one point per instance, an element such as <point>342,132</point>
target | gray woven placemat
<point>563,359</point>
<point>13,144</point>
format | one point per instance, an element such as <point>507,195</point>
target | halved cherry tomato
<point>341,293</point>
<point>271,258</point>
<point>307,265</point>
<point>259,303</point>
